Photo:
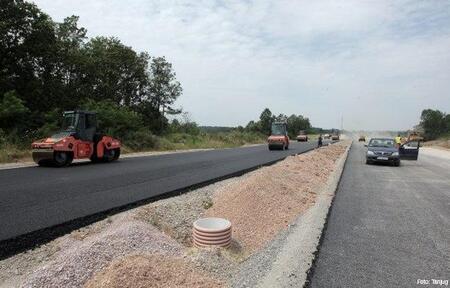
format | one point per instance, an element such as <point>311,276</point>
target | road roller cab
<point>78,139</point>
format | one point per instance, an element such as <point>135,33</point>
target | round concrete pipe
<point>212,232</point>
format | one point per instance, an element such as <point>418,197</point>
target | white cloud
<point>376,63</point>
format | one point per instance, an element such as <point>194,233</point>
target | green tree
<point>54,67</point>
<point>265,121</point>
<point>164,88</point>
<point>252,126</point>
<point>447,123</point>
<point>297,123</point>
<point>114,119</point>
<point>281,118</point>
<point>70,75</point>
<point>12,112</point>
<point>27,55</point>
<point>114,72</point>
<point>433,122</point>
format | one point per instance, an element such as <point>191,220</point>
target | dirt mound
<point>150,271</point>
<point>264,203</point>
<point>73,265</point>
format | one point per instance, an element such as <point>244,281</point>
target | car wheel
<point>397,164</point>
<point>368,161</point>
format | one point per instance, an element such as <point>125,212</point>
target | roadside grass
<point>10,153</point>
<point>146,142</point>
<point>211,140</point>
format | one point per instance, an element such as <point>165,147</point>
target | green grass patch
<point>10,153</point>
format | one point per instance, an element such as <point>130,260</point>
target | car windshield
<point>278,129</point>
<point>69,123</point>
<point>387,143</point>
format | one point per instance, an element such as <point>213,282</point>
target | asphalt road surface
<point>389,226</point>
<point>38,197</point>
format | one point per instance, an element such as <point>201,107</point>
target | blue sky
<point>377,63</point>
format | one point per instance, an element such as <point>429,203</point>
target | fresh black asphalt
<point>388,227</point>
<point>39,197</point>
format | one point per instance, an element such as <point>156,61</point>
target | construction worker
<point>319,141</point>
<point>398,140</point>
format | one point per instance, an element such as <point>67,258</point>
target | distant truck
<point>302,137</point>
<point>278,138</point>
<point>335,137</point>
<point>362,138</point>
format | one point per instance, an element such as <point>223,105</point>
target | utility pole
<point>342,122</point>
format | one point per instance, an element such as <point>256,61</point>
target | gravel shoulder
<point>265,207</point>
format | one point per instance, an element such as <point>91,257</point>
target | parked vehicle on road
<point>362,138</point>
<point>302,137</point>
<point>278,138</point>
<point>78,139</point>
<point>385,150</point>
<point>335,137</point>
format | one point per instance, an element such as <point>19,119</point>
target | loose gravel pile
<point>150,271</point>
<point>264,203</point>
<point>73,266</point>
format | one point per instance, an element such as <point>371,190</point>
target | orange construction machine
<point>278,138</point>
<point>302,137</point>
<point>78,139</point>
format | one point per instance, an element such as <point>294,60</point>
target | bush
<point>2,138</point>
<point>116,120</point>
<point>141,140</point>
<point>12,112</point>
<point>187,127</point>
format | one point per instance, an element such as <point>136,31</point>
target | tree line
<point>295,123</point>
<point>434,123</point>
<point>48,67</point>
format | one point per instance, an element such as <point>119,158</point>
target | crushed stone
<point>151,271</point>
<point>74,265</point>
